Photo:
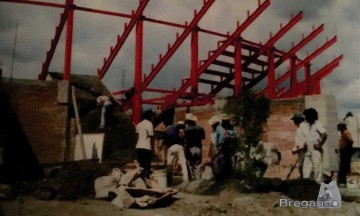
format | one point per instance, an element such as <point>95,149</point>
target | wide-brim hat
<point>225,117</point>
<point>213,120</point>
<point>297,116</point>
<point>180,122</point>
<point>190,117</point>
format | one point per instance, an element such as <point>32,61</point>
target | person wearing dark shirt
<point>174,140</point>
<point>345,149</point>
<point>194,136</point>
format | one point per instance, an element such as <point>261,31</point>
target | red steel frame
<point>240,74</point>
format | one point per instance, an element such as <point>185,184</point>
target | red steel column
<point>237,68</point>
<point>138,71</point>
<point>293,77</point>
<point>194,60</point>
<point>271,74</point>
<point>307,78</point>
<point>68,39</point>
<point>316,87</point>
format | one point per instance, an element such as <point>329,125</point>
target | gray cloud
<point>311,8</point>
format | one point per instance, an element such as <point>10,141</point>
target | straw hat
<point>180,122</point>
<point>190,117</point>
<point>225,117</point>
<point>214,120</point>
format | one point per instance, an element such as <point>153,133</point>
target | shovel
<point>293,166</point>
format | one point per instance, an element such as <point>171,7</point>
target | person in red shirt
<point>345,149</point>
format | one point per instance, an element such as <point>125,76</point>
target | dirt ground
<point>228,202</point>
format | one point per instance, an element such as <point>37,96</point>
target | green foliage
<point>250,113</point>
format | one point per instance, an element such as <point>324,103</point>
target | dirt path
<point>228,202</point>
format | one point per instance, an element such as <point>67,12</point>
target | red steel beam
<point>298,66</point>
<point>155,70</point>
<point>102,12</point>
<point>293,76</point>
<point>121,40</point>
<point>48,4</point>
<point>283,30</point>
<point>320,74</point>
<point>137,104</point>
<point>271,75</point>
<point>269,44</point>
<point>194,61</point>
<point>216,54</point>
<point>68,39</point>
<point>316,53</point>
<point>301,44</point>
<point>159,90</point>
<point>53,44</point>
<point>237,68</point>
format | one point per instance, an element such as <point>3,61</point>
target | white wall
<point>326,108</point>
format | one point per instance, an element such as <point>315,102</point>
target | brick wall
<point>42,119</point>
<point>279,129</point>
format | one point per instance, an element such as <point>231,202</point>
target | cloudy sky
<point>94,34</point>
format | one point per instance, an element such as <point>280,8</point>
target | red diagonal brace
<point>120,42</point>
<point>318,75</point>
<point>297,67</point>
<point>216,54</point>
<point>301,44</point>
<point>177,43</point>
<point>307,59</point>
<point>54,42</point>
<point>48,4</point>
<point>269,44</point>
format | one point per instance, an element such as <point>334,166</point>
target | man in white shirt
<point>315,139</point>
<point>104,102</point>
<point>144,146</point>
<point>300,139</point>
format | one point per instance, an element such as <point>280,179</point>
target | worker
<point>315,139</point>
<point>214,122</point>
<point>174,139</point>
<point>194,137</point>
<point>104,102</point>
<point>346,151</point>
<point>145,143</point>
<point>300,139</point>
<point>225,136</point>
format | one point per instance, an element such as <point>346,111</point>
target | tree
<point>250,113</point>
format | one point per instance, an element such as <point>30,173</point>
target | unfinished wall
<point>280,129</point>
<point>326,107</point>
<point>42,119</point>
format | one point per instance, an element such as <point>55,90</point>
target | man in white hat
<point>104,102</point>
<point>214,122</point>
<point>225,134</point>
<point>194,136</point>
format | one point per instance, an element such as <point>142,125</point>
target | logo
<point>328,197</point>
<point>329,194</point>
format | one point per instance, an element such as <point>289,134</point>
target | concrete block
<point>63,89</point>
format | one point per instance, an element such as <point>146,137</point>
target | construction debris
<point>131,190</point>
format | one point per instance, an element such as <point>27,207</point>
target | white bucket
<point>355,166</point>
<point>160,180</point>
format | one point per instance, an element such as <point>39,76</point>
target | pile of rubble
<point>131,190</point>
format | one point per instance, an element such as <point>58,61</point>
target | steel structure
<point>250,64</point>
